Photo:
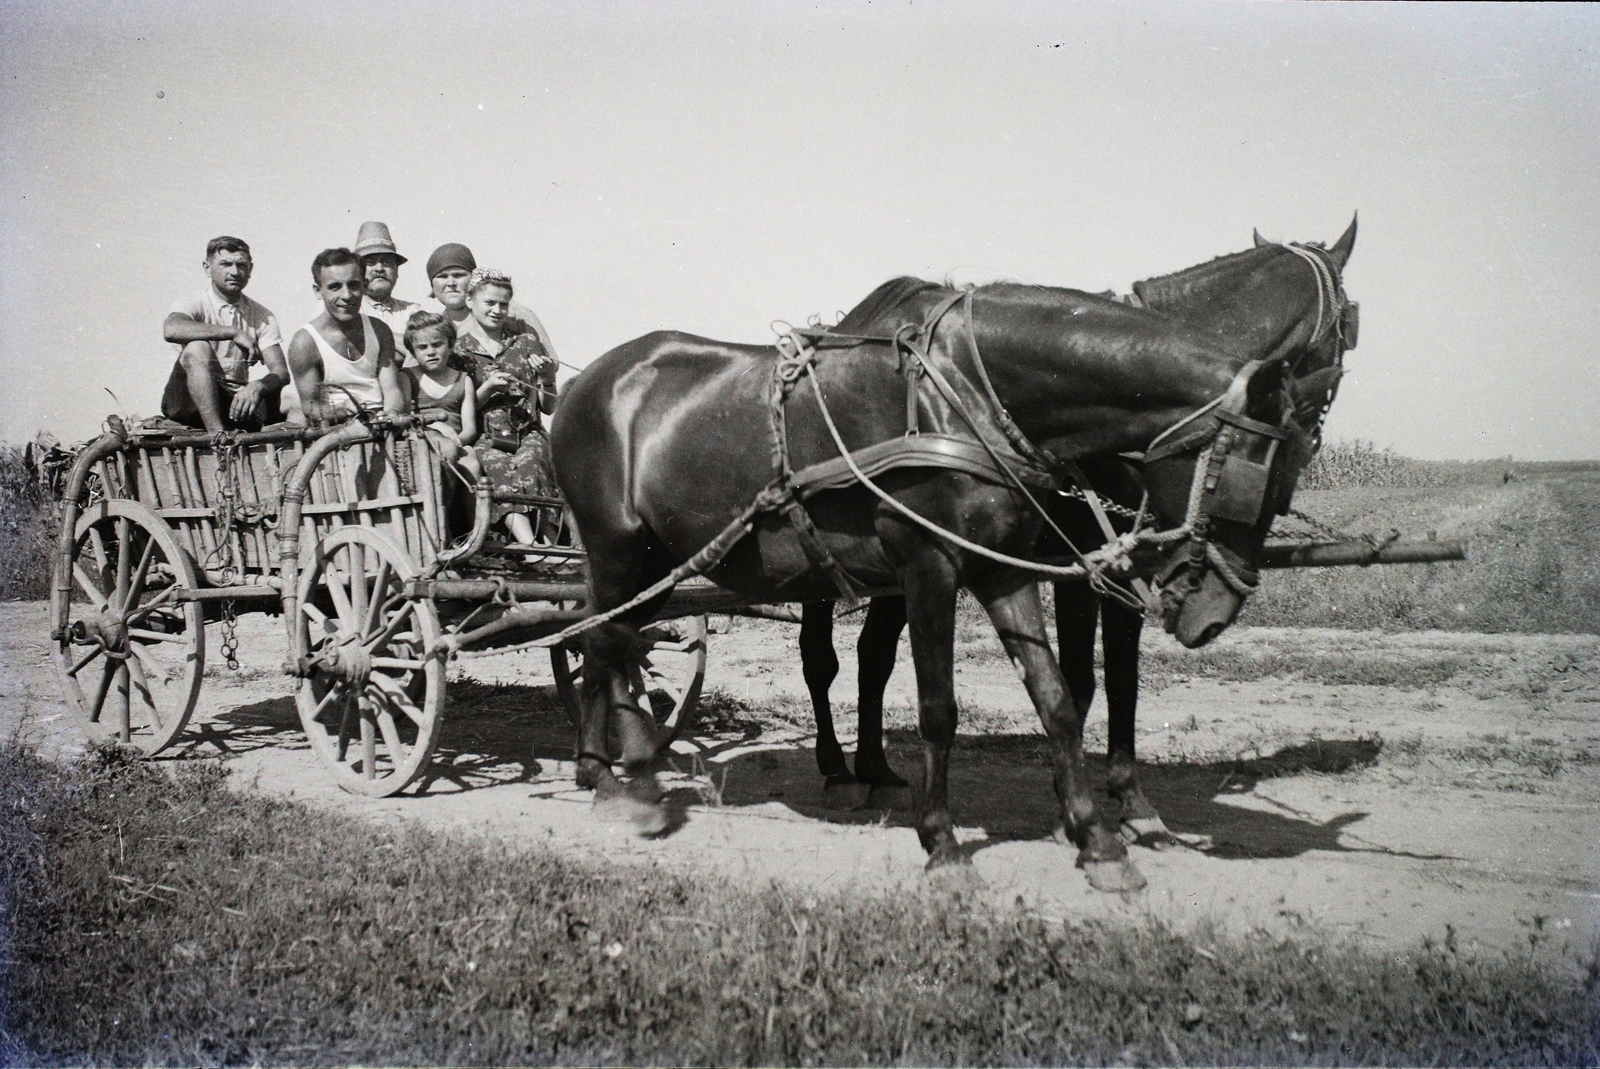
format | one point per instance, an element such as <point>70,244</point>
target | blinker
<point>1350,324</point>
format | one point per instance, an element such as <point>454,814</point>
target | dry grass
<point>159,920</point>
<point>28,526</point>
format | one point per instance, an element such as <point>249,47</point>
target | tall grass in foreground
<point>152,919</point>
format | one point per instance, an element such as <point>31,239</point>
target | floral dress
<point>512,446</point>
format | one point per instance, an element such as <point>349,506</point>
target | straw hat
<point>373,238</point>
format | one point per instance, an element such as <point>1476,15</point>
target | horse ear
<point>1341,248</point>
<point>1257,238</point>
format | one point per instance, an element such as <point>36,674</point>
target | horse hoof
<point>841,793</point>
<point>646,818</point>
<point>890,797</point>
<point>1113,876</point>
<point>1148,832</point>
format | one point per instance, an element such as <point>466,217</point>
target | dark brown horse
<point>1267,302</point>
<point>661,441</point>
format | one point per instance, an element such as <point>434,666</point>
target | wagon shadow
<point>1000,786</point>
<point>490,735</point>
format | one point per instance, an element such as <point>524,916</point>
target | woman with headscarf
<point>515,379</point>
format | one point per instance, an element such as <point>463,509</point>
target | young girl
<point>437,385</point>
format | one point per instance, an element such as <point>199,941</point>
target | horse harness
<point>1232,474</point>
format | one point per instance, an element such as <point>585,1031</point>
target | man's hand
<point>245,338</point>
<point>248,403</point>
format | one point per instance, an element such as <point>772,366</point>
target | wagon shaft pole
<point>1335,554</point>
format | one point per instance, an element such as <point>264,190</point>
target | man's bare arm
<point>305,364</point>
<point>181,330</point>
<point>394,396</point>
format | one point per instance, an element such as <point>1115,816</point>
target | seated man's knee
<point>197,354</point>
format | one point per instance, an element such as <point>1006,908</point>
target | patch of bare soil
<point>1386,786</point>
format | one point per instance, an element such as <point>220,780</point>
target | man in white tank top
<point>343,360</point>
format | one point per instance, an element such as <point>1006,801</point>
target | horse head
<point>1222,480</point>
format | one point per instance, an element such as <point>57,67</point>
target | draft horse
<point>1270,302</point>
<point>661,441</point>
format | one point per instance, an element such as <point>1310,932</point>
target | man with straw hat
<point>381,261</point>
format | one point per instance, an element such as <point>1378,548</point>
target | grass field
<point>158,920</point>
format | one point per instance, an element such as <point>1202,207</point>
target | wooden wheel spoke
<point>90,586</point>
<point>339,593</point>
<point>391,630</point>
<point>398,751</point>
<point>376,604</point>
<point>107,674</point>
<point>369,746</point>
<point>124,558</point>
<point>141,684</point>
<point>355,557</point>
<point>403,664</point>
<point>140,574</point>
<point>155,636</point>
<point>97,544</point>
<point>394,691</point>
<point>81,662</point>
<point>333,693</point>
<point>318,617</point>
<point>344,725</point>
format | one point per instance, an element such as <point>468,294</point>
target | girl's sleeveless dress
<point>449,402</point>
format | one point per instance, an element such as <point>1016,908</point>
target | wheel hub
<point>108,629</point>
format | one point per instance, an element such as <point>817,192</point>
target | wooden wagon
<point>347,533</point>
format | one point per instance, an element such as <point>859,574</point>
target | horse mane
<point>882,302</point>
<point>1176,286</point>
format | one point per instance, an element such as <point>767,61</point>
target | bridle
<point>1227,483</point>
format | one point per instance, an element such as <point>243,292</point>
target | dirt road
<point>1388,787</point>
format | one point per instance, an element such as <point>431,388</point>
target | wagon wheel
<point>665,676</point>
<point>131,657</point>
<point>366,644</point>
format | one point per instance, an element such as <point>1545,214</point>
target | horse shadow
<point>1001,791</point>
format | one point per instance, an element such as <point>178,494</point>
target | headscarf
<point>487,276</point>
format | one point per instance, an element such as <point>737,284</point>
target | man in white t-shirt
<point>382,261</point>
<point>218,334</point>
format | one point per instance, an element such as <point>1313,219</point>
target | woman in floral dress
<point>516,383</point>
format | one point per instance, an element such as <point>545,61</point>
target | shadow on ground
<point>496,734</point>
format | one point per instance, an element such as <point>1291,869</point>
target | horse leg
<point>820,666</point>
<point>875,650</point>
<point>1119,635</point>
<point>605,689</point>
<point>1013,605</point>
<point>1077,615</point>
<point>930,597</point>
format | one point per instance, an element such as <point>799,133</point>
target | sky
<point>713,167</point>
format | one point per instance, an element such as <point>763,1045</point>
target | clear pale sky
<point>713,167</point>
